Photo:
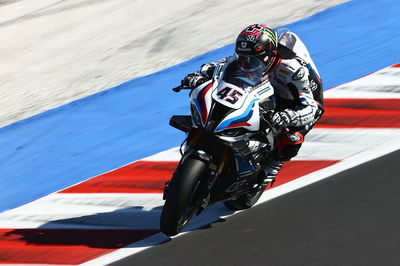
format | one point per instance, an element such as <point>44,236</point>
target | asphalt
<point>352,218</point>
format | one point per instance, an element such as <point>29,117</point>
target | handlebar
<point>179,88</point>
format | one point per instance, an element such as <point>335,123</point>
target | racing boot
<point>271,169</point>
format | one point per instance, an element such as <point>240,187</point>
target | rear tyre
<point>245,201</point>
<point>183,196</point>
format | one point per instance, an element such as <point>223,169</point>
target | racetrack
<point>76,185</point>
<point>351,218</point>
<point>116,214</point>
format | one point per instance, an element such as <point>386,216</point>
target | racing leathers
<point>298,95</point>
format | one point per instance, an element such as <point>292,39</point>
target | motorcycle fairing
<point>242,102</point>
<point>246,113</point>
<point>242,119</point>
<point>200,97</point>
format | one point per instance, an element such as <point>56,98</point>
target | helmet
<point>256,48</point>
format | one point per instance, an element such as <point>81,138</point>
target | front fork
<point>215,166</point>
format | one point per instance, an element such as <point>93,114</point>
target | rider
<point>286,63</point>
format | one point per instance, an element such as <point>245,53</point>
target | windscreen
<point>235,75</point>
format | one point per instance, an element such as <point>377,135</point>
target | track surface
<point>352,218</point>
<point>115,215</point>
<point>44,154</point>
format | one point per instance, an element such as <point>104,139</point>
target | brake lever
<point>177,89</point>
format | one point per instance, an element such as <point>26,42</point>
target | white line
<point>270,194</point>
<point>79,210</point>
<point>321,143</point>
<point>346,164</point>
<point>24,264</point>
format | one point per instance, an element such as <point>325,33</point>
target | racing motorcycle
<point>224,149</point>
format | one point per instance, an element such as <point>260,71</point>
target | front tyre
<point>182,200</point>
<point>245,201</point>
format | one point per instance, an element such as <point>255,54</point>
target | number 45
<point>229,95</point>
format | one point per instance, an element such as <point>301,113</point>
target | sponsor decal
<point>293,138</point>
<point>259,48</point>
<point>284,71</point>
<point>299,74</point>
<point>243,47</point>
<point>264,90</point>
<point>271,35</point>
<point>247,38</point>
<point>313,85</point>
<point>244,50</point>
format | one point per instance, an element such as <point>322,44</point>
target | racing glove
<point>192,80</point>
<point>284,118</point>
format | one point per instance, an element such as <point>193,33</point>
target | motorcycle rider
<point>286,63</point>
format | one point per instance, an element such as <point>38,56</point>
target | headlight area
<point>233,132</point>
<point>195,115</point>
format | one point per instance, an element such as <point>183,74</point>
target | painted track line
<point>273,193</point>
<point>113,202</point>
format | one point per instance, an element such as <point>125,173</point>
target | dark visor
<point>249,63</point>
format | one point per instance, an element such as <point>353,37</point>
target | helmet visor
<point>250,63</point>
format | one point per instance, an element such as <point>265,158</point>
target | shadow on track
<point>110,230</point>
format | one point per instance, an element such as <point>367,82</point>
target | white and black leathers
<point>290,80</point>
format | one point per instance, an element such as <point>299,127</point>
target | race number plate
<point>230,95</point>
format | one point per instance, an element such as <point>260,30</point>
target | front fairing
<point>243,104</point>
<point>220,106</point>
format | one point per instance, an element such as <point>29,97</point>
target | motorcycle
<point>224,150</point>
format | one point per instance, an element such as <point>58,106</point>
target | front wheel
<point>182,201</point>
<point>245,201</point>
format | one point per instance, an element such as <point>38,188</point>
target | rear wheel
<point>245,201</point>
<point>182,200</point>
